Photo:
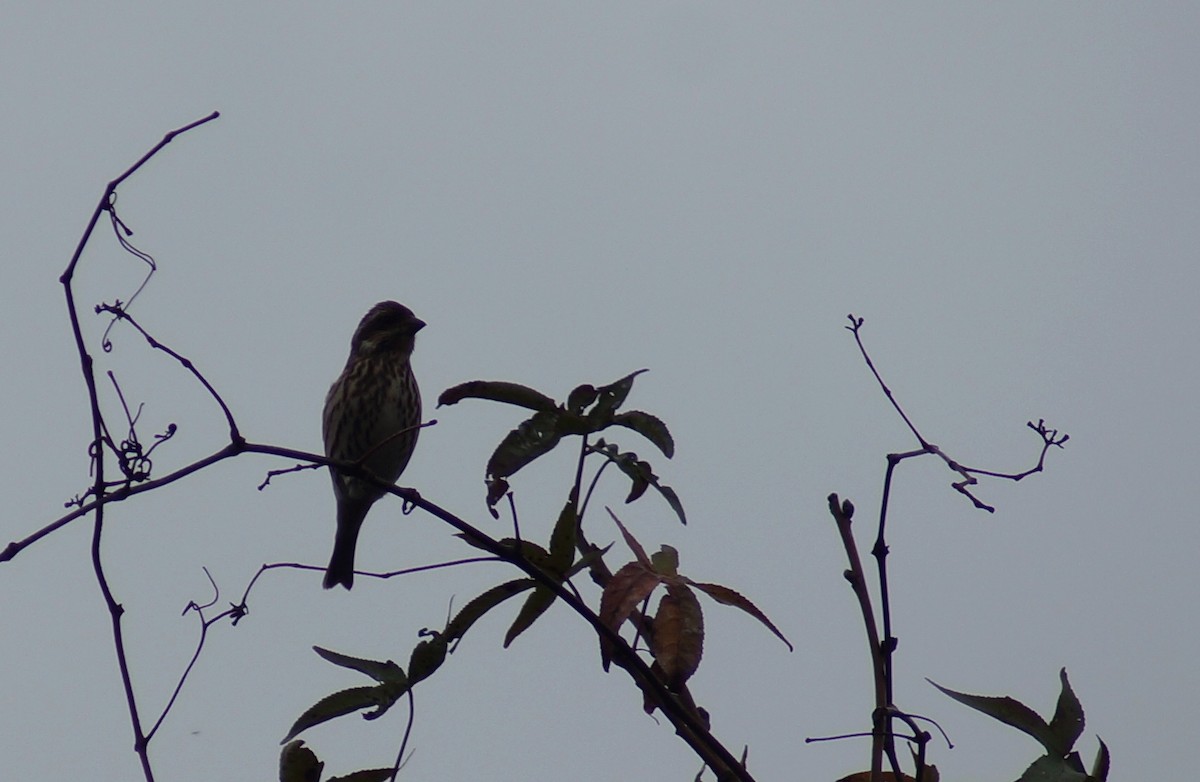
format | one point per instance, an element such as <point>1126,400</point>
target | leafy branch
<point>667,644</point>
<point>547,571</point>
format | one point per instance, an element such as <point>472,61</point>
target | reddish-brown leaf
<point>730,597</point>
<point>535,605</point>
<point>632,542</point>
<point>678,634</point>
<point>628,587</point>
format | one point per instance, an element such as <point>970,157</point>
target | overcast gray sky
<point>566,193</point>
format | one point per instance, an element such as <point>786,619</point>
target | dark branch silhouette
<point>883,646</point>
<point>587,410</point>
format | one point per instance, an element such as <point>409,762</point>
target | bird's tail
<point>341,563</point>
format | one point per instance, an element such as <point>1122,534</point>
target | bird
<point>372,416</point>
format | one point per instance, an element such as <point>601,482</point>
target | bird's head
<point>389,327</point>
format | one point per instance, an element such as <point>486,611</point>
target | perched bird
<point>372,414</point>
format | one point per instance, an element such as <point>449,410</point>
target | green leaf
<point>340,704</point>
<point>535,605</point>
<point>481,604</point>
<point>1067,723</point>
<point>366,775</point>
<point>427,657</point>
<point>298,763</point>
<point>1101,764</point>
<point>1049,768</point>
<point>534,437</point>
<point>392,683</point>
<point>496,489</point>
<point>587,560</point>
<point>497,391</point>
<point>666,560</point>
<point>580,397</point>
<point>673,500</point>
<point>524,548</point>
<point>385,672</point>
<point>1011,712</point>
<point>562,540</point>
<point>640,473</point>
<point>648,426</point>
<point>610,397</point>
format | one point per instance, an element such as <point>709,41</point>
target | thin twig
<point>204,625</point>
<point>119,313</point>
<point>87,363</point>
<point>119,495</point>
<point>882,650</point>
<point>1050,437</point>
<point>412,712</point>
<point>854,328</point>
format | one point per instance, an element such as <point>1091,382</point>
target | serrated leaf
<point>628,587</point>
<point>497,391</point>
<point>384,671</point>
<point>1068,721</point>
<point>1101,763</point>
<point>1049,768</point>
<point>535,605</point>
<point>481,604</point>
<point>648,426</point>
<point>678,640</point>
<point>587,560</point>
<point>638,552</point>
<point>534,437</point>
<point>366,775</point>
<point>298,763</point>
<point>340,704</point>
<point>731,597</point>
<point>525,548</point>
<point>1009,711</point>
<point>530,551</point>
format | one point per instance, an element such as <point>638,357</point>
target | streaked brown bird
<point>372,414</point>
